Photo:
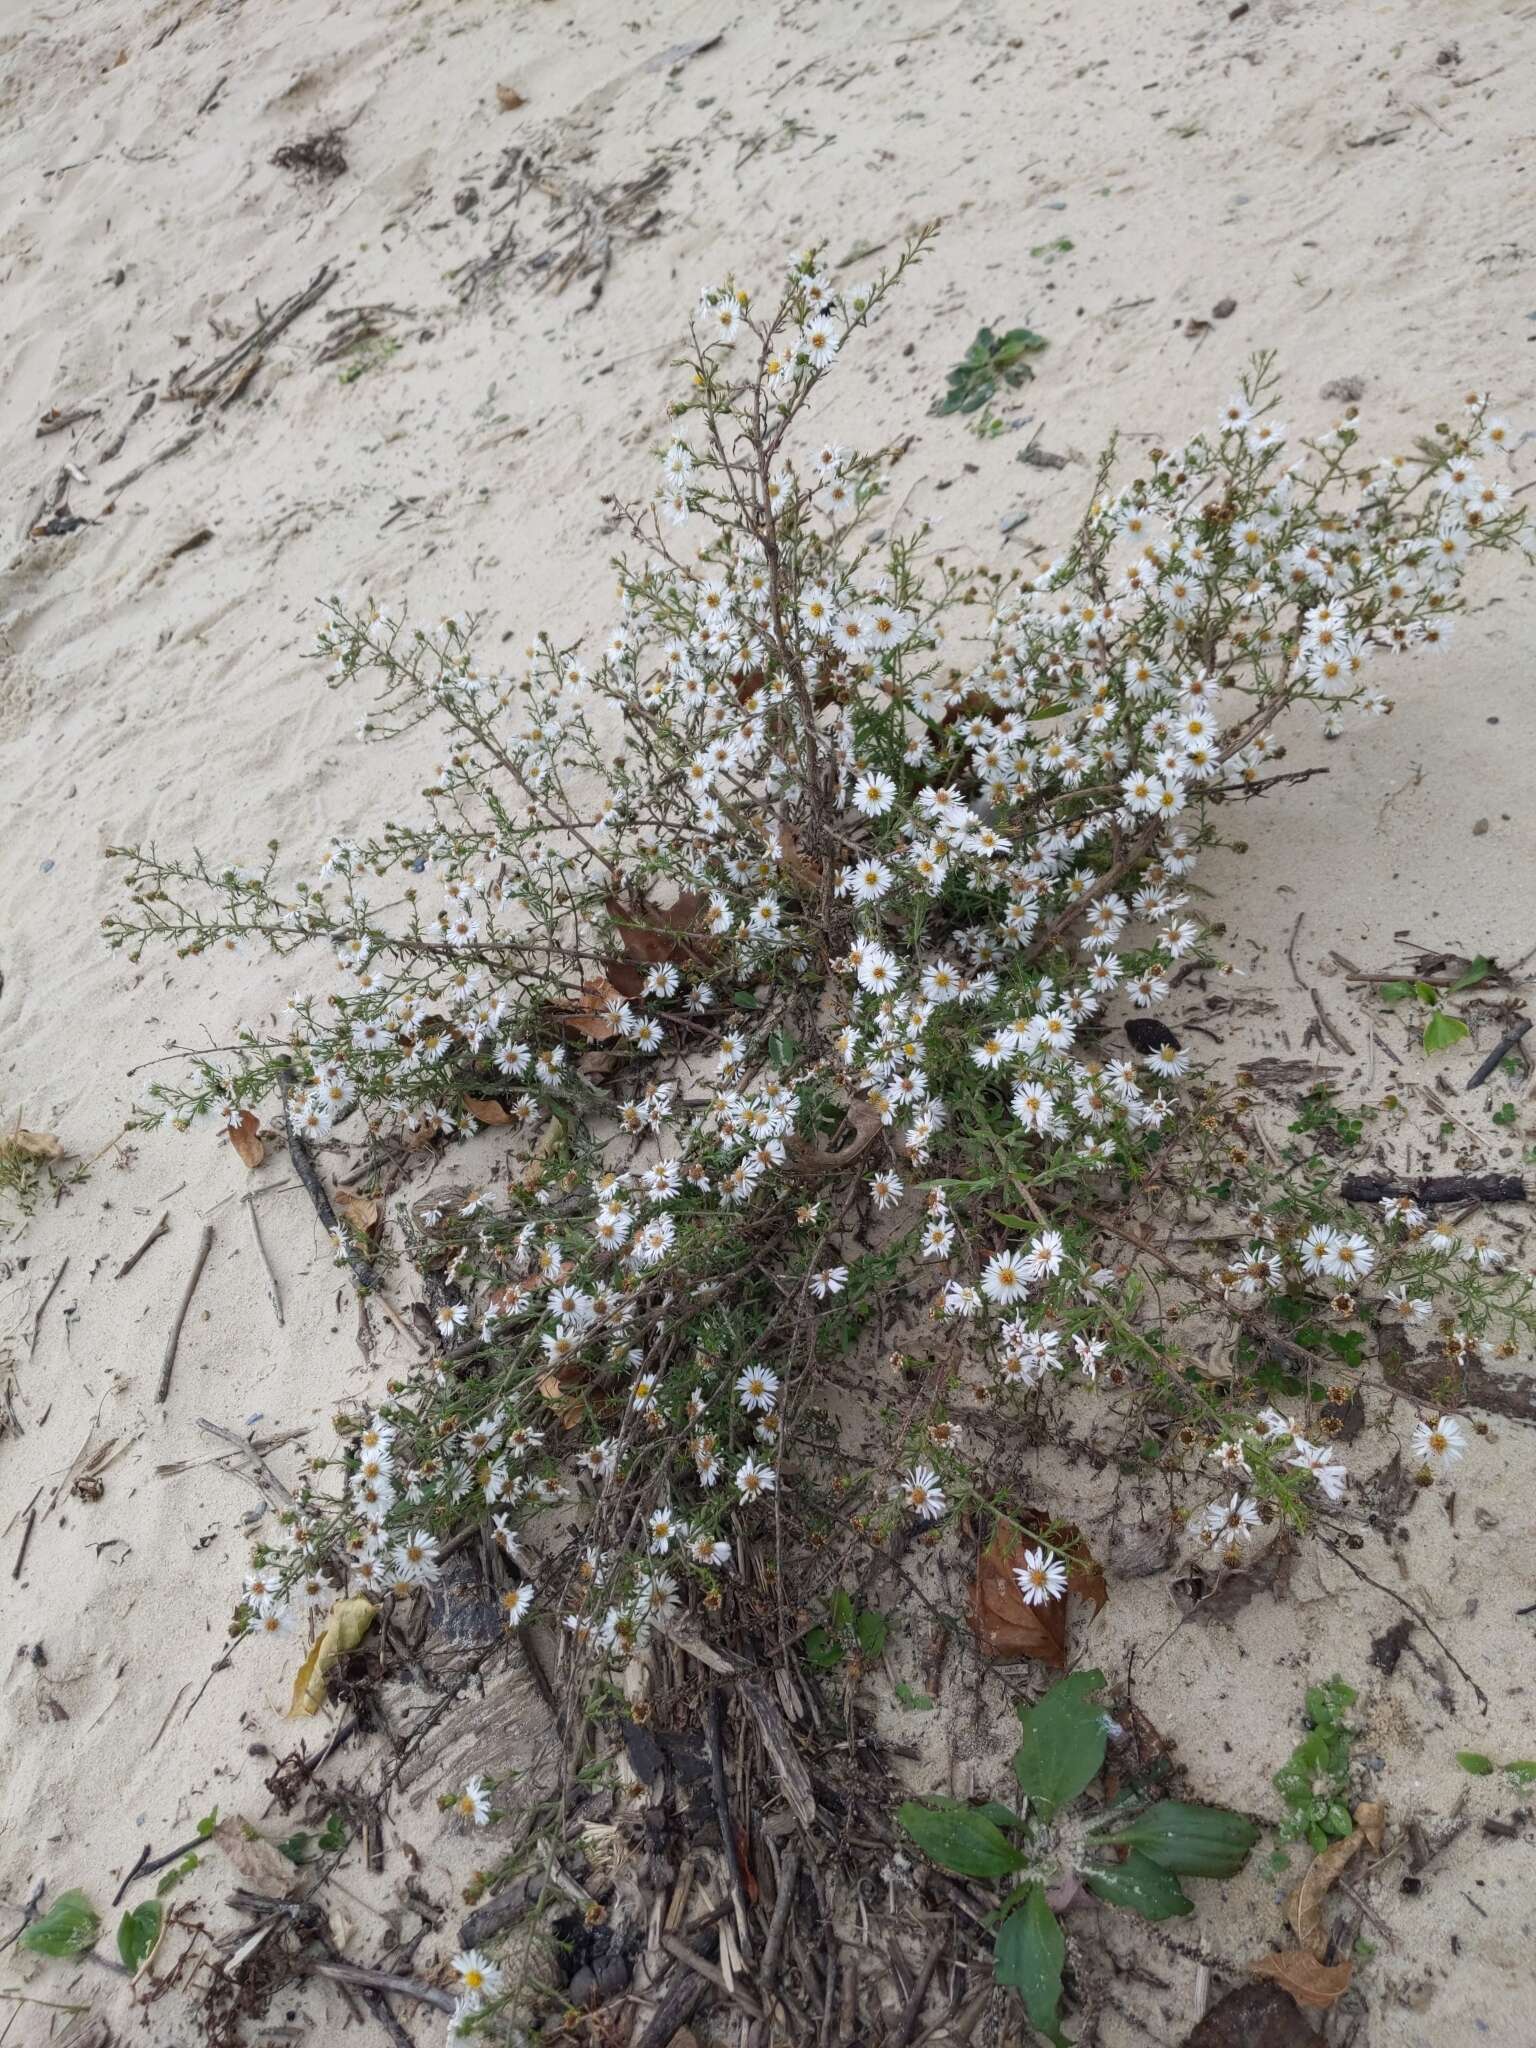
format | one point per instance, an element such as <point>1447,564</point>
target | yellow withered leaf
<point>346,1625</point>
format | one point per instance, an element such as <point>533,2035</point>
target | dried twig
<point>53,1288</point>
<point>713,1732</point>
<point>314,1187</point>
<point>227,374</point>
<point>906,2026</point>
<point>1506,1045</point>
<point>378,1980</point>
<point>273,1292</point>
<point>26,1538</point>
<point>1430,1190</point>
<point>1392,1594</point>
<point>176,447</point>
<point>690,1959</point>
<point>203,1249</point>
<point>153,1238</point>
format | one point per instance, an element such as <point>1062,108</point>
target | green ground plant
<point>1128,1852</point>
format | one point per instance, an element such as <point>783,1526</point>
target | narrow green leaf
<point>68,1928</point>
<point>1030,1953</point>
<point>960,1839</point>
<point>1062,1746</point>
<point>138,1935</point>
<point>1476,971</point>
<point>1394,991</point>
<point>1140,1886</point>
<point>1474,1761</point>
<point>177,1872</point>
<point>1192,1841</point>
<point>840,1616</point>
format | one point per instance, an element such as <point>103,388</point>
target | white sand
<point>142,696</point>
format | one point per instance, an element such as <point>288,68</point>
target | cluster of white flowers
<point>813,877</point>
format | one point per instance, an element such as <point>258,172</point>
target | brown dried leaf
<point>795,866</point>
<point>1304,1908</point>
<point>1311,1983</point>
<point>31,1144</point>
<point>486,1111</point>
<point>509,99</point>
<point>1222,1595</point>
<point>656,935</point>
<point>258,1861</point>
<point>562,1390</point>
<point>814,1162</point>
<point>245,1136</point>
<point>361,1211</point>
<point>1371,1820</point>
<point>1004,1622</point>
<point>590,1021</point>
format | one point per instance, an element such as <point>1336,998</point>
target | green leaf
<point>1394,991</point>
<point>914,1702</point>
<point>822,1650</point>
<point>1506,1115</point>
<point>1140,1886</point>
<point>1523,1773</point>
<point>1030,1953</point>
<point>208,1823</point>
<point>871,1634</point>
<point>333,1836</point>
<point>960,1839</point>
<point>297,1847</point>
<point>68,1928</point>
<point>138,1935</point>
<point>744,999</point>
<point>1426,992</point>
<point>177,1872</point>
<point>1477,970</point>
<point>1442,1031</point>
<point>840,1614</point>
<point>1348,1345</point>
<point>1474,1761</point>
<point>1062,1747</point>
<point>1193,1841</point>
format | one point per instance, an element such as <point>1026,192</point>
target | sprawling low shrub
<point>806,940</point>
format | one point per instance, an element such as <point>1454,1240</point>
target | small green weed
<point>1441,1028</point>
<point>846,1635</point>
<point>1130,1854</point>
<point>991,362</point>
<point>1314,1784</point>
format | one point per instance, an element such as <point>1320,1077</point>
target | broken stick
<point>1431,1190</point>
<point>204,1248</point>
<point>134,1257</point>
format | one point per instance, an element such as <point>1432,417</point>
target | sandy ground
<point>1355,178</point>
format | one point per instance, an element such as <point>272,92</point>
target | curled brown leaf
<point>245,1136</point>
<point>1304,1908</point>
<point>485,1110</point>
<point>1319,1985</point>
<point>1005,1624</point>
